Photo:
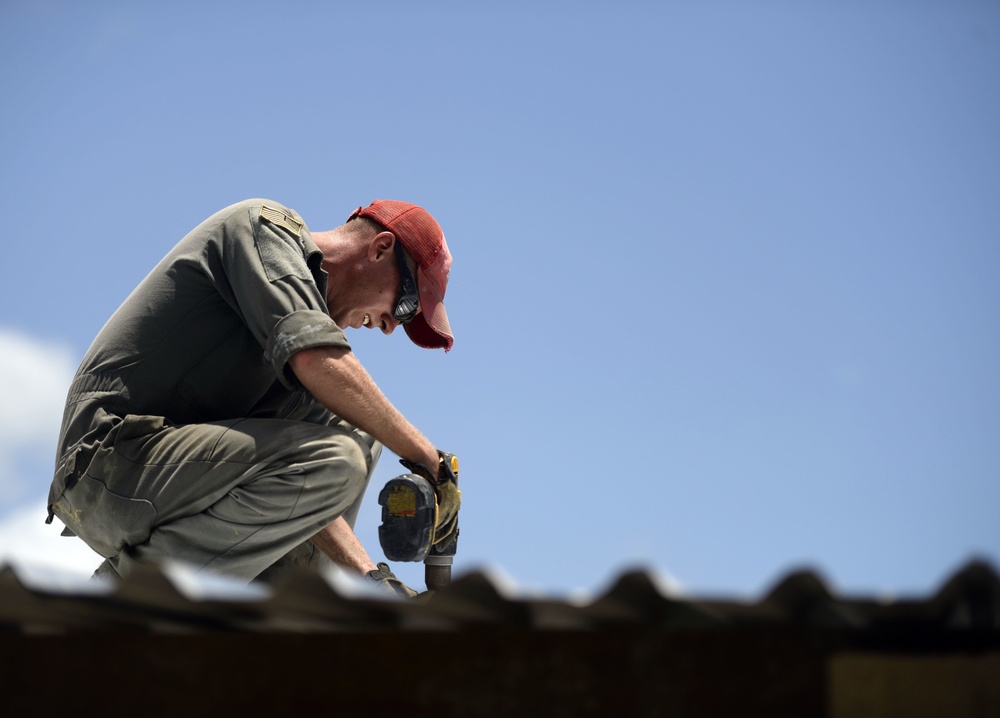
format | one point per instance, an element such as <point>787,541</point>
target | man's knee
<point>342,470</point>
<point>322,478</point>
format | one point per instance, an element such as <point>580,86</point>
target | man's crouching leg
<point>233,497</point>
<point>315,554</point>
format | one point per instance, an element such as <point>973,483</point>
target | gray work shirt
<point>207,335</point>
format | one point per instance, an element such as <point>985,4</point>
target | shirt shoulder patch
<point>281,219</point>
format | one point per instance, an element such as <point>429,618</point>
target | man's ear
<point>381,246</point>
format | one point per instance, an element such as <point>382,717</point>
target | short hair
<point>359,224</point>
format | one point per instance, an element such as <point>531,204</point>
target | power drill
<point>420,518</point>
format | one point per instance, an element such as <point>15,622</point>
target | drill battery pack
<point>409,514</point>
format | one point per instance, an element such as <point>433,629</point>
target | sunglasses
<point>409,301</point>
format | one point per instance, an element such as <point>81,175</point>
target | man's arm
<point>339,542</point>
<point>338,381</point>
<point>336,378</point>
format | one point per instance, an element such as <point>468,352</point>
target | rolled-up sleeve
<point>300,330</point>
<point>271,275</point>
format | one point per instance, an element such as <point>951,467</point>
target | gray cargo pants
<point>236,496</point>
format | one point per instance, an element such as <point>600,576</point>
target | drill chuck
<point>437,572</point>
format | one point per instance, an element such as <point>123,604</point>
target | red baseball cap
<point>423,239</point>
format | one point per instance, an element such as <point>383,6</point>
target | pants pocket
<point>106,521</point>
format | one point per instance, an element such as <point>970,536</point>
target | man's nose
<point>389,323</point>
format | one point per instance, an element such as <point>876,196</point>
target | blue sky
<point>725,285</point>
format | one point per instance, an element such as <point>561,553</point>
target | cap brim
<point>430,328</point>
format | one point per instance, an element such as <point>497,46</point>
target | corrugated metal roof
<point>172,598</point>
<point>168,642</point>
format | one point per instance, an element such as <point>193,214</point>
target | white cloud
<point>34,378</point>
<point>27,541</point>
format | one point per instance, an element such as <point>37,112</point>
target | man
<point>220,417</point>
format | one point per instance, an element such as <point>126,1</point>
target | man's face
<point>370,296</point>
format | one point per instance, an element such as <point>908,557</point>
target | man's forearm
<point>341,545</point>
<point>337,379</point>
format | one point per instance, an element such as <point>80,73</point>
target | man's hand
<point>386,579</point>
